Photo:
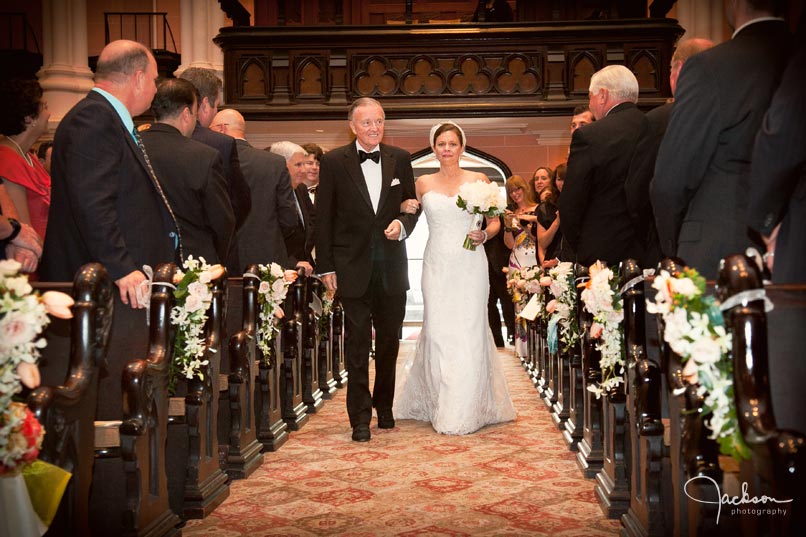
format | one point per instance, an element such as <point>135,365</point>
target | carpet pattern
<point>513,479</point>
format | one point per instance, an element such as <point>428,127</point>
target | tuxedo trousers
<point>385,312</point>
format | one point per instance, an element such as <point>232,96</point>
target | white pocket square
<point>395,182</point>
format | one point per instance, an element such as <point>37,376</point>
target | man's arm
<point>574,197</point>
<point>286,209</point>
<point>325,212</point>
<point>238,188</point>
<point>406,177</point>
<point>218,209</point>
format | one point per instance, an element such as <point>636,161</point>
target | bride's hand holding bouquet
<point>480,199</point>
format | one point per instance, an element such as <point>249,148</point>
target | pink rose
<point>551,306</point>
<point>596,330</point>
<point>58,304</point>
<point>215,272</point>
<point>545,281</point>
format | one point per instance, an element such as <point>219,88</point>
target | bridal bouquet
<point>193,298</point>
<point>21,437</point>
<point>695,331</point>
<point>480,199</point>
<point>271,293</point>
<point>602,300</point>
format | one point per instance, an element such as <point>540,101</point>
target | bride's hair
<point>439,128</point>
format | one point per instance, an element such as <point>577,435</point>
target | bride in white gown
<point>455,381</point>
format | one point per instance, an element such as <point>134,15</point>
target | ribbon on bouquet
<point>635,281</point>
<point>143,291</point>
<point>744,297</point>
<point>552,334</point>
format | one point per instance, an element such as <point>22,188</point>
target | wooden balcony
<point>434,70</point>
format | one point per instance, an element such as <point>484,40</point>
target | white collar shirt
<point>372,176</point>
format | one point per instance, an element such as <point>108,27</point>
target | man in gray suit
<point>273,218</point>
<point>702,174</point>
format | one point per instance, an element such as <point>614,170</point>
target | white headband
<point>438,125</point>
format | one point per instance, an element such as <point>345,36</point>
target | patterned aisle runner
<point>512,479</point>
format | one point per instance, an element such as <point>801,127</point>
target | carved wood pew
<point>691,453</point>
<point>66,401</point>
<point>271,430</point>
<point>613,481</point>
<point>645,515</point>
<point>337,343</point>
<point>591,446</point>
<point>327,384</point>
<point>130,492</point>
<point>295,411</point>
<point>196,482</point>
<point>560,410</point>
<point>549,371</point>
<point>529,362</point>
<point>311,393</point>
<point>575,424</point>
<point>778,454</point>
<point>241,453</point>
<point>540,369</point>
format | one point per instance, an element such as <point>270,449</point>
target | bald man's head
<point>229,122</point>
<point>120,59</point>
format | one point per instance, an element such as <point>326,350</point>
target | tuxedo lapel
<point>387,172</point>
<point>353,168</point>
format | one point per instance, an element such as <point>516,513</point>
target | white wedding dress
<point>454,381</point>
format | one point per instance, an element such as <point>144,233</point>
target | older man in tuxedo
<point>702,174</point>
<point>107,204</point>
<point>273,217</point>
<point>595,220</point>
<point>361,254</point>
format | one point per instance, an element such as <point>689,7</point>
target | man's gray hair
<point>286,149</point>
<point>362,101</point>
<point>619,82</point>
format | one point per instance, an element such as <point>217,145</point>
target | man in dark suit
<point>595,220</point>
<point>361,255</point>
<point>106,205</point>
<point>191,173</point>
<point>778,189</point>
<point>642,167</point>
<point>300,242</point>
<point>209,87</point>
<point>273,217</point>
<point>702,173</point>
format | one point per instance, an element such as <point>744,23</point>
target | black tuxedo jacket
<point>349,234</point>
<point>104,205</point>
<point>778,189</point>
<point>594,218</point>
<point>702,174</point>
<point>273,217</point>
<point>300,241</point>
<point>192,178</point>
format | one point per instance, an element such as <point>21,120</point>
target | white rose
<point>263,288</point>
<point>276,270</point>
<point>706,351</point>
<point>9,267</point>
<point>193,303</point>
<point>17,328</point>
<point>684,286</point>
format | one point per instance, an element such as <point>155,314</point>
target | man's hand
<point>410,206</point>
<point>392,232</point>
<point>306,266</point>
<point>128,285</point>
<point>28,238</point>
<point>25,257</point>
<point>330,282</point>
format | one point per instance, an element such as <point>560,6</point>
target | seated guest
<point>107,205</point>
<point>23,119</point>
<point>300,243</point>
<point>595,219</point>
<point>18,241</point>
<point>191,173</point>
<point>273,217</point>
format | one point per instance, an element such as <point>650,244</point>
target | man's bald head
<point>229,122</point>
<point>683,52</point>
<point>127,70</point>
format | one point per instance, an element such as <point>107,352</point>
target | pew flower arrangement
<point>193,295</point>
<point>602,300</point>
<point>23,316</point>
<point>480,199</point>
<point>562,308</point>
<point>695,331</point>
<point>271,293</point>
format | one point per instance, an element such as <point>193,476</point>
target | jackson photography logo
<point>740,505</point>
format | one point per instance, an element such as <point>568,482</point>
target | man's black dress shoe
<point>361,433</point>
<point>386,420</point>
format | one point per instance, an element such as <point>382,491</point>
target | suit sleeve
<point>406,176</point>
<point>642,167</point>
<point>779,156</point>
<point>688,145</point>
<point>239,193</point>
<point>574,197</point>
<point>218,208</point>
<point>286,210</point>
<point>325,213</point>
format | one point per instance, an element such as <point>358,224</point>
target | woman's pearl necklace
<point>23,154</point>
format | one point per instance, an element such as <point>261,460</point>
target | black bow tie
<point>312,190</point>
<point>375,156</point>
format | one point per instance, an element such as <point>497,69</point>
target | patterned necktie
<point>157,185</point>
<point>375,156</point>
